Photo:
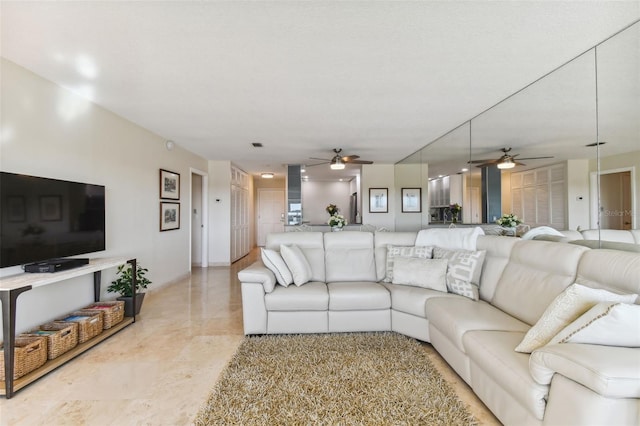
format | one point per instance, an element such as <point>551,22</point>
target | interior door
<point>615,199</point>
<point>271,213</point>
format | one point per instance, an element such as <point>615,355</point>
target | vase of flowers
<point>509,221</point>
<point>337,222</point>
<point>455,210</point>
<point>332,209</point>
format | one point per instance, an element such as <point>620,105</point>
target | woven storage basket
<point>61,337</point>
<point>30,352</point>
<point>89,324</point>
<point>112,312</point>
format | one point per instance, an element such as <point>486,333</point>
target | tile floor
<point>160,370</point>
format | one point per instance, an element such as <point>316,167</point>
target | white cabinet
<point>538,196</point>
<point>240,241</point>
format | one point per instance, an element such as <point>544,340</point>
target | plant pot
<point>336,228</point>
<point>128,304</point>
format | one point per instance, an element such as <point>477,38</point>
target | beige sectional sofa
<point>557,384</point>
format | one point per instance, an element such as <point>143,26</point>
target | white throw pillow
<point>297,263</point>
<point>422,252</point>
<point>463,271</point>
<point>454,238</point>
<point>610,324</point>
<point>574,301</point>
<point>275,263</point>
<point>425,273</point>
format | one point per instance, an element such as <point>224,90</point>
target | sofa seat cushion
<point>312,296</point>
<point>492,352</point>
<point>456,316</point>
<point>358,296</point>
<point>412,300</point>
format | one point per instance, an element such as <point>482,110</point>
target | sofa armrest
<point>610,371</point>
<point>257,273</point>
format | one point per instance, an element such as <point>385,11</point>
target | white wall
<point>219,213</point>
<point>316,196</point>
<point>379,176</point>
<point>49,131</point>
<point>578,194</point>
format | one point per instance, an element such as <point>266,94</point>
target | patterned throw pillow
<point>463,271</point>
<point>574,301</point>
<point>421,252</point>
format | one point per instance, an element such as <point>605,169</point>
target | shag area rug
<point>332,379</point>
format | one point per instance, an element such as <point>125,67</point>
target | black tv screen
<point>43,218</point>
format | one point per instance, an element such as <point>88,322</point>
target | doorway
<point>198,256</point>
<point>616,199</point>
<point>271,213</point>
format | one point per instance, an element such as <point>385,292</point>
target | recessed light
<point>267,175</point>
<point>594,144</point>
<point>257,145</point>
<point>464,170</point>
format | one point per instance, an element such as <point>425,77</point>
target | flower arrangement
<point>455,208</point>
<point>337,220</point>
<point>509,220</point>
<point>332,209</point>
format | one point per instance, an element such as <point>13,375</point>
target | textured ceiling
<point>378,79</point>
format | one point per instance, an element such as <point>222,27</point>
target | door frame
<point>595,199</point>
<point>204,260</point>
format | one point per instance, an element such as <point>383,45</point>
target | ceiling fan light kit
<point>507,163</point>
<point>337,165</point>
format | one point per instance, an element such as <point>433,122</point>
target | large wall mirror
<point>562,178</point>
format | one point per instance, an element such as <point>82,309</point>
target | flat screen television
<point>43,219</point>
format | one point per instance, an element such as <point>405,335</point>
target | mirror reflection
<point>535,153</point>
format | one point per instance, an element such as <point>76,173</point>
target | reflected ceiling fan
<point>506,161</point>
<point>339,161</point>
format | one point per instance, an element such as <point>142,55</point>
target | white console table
<point>11,287</point>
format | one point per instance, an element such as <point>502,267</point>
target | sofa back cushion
<point>536,273</point>
<point>349,256</point>
<point>382,240</point>
<point>310,243</point>
<point>498,252</point>
<point>617,235</point>
<point>613,270</point>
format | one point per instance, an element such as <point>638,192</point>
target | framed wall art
<point>169,216</point>
<point>378,200</point>
<point>16,209</point>
<point>169,185</point>
<point>411,200</point>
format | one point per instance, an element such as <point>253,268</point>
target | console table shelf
<point>11,287</point>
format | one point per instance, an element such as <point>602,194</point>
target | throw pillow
<point>610,324</point>
<point>422,252</point>
<point>574,301</point>
<point>275,263</point>
<point>463,270</point>
<point>425,273</point>
<point>297,263</point>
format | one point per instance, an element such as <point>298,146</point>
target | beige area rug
<point>332,379</point>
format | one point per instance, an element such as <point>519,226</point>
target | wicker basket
<point>112,312</point>
<point>61,337</point>
<point>89,324</point>
<point>30,352</point>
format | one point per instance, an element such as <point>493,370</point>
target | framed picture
<point>411,200</point>
<point>378,200</point>
<point>50,208</point>
<point>16,210</point>
<point>169,185</point>
<point>169,216</point>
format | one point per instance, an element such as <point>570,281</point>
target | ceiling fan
<point>339,161</point>
<point>506,161</point>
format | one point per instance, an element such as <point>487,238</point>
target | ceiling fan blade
<point>534,158</point>
<point>482,161</point>
<point>519,163</point>
<point>350,158</point>
<point>359,162</point>
<point>321,159</point>
<point>317,164</point>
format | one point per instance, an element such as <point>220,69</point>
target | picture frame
<point>378,200</point>
<point>169,185</point>
<point>50,208</point>
<point>16,209</point>
<point>169,216</point>
<point>411,200</point>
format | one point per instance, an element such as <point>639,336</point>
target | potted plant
<point>122,285</point>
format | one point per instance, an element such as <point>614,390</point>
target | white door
<point>196,220</point>
<point>615,190</point>
<point>271,213</point>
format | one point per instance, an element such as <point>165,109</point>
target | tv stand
<point>11,287</point>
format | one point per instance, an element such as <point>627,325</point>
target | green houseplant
<point>123,285</point>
